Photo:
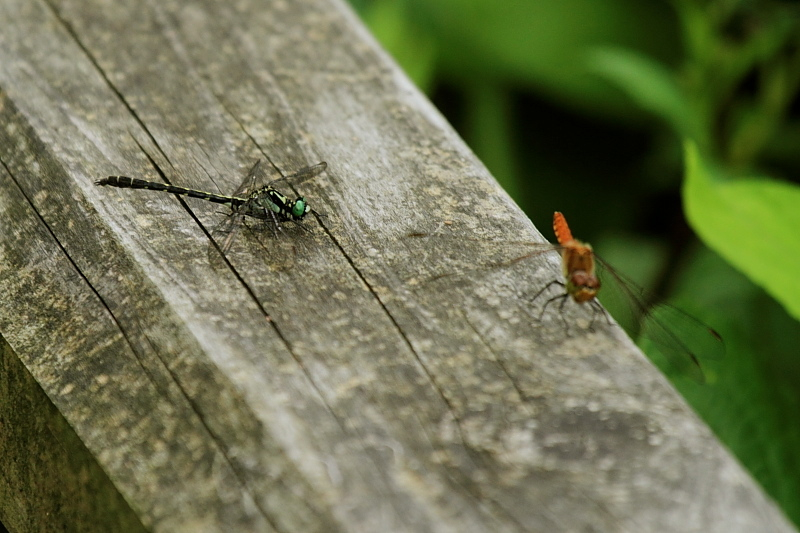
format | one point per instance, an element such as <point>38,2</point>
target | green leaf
<point>753,223</point>
<point>542,43</point>
<point>411,46</point>
<point>651,85</point>
<point>755,385</point>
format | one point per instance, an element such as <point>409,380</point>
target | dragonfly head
<point>582,286</point>
<point>300,208</point>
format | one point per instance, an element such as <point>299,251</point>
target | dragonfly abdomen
<point>125,182</point>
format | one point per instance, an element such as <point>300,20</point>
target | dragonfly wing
<point>249,184</point>
<point>535,249</point>
<point>448,253</point>
<point>225,233</point>
<point>302,175</point>
<point>677,336</point>
<point>682,339</point>
<point>279,254</point>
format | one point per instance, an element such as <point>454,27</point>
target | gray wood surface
<point>335,380</point>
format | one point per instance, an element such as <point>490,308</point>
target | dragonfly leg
<point>548,302</point>
<point>562,299</point>
<point>542,290</point>
<point>554,282</point>
<point>597,309</point>
<point>276,224</point>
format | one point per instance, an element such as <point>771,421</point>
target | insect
<point>248,200</point>
<point>676,335</point>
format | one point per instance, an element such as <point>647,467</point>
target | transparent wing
<point>224,234</point>
<point>250,181</point>
<point>278,254</point>
<point>681,339</point>
<point>447,258</point>
<point>302,175</point>
<point>223,237</point>
<point>535,249</point>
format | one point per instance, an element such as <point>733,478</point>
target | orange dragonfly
<point>681,338</point>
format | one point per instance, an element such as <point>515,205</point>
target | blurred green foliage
<point>641,120</point>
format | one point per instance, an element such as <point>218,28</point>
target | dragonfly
<point>248,200</point>
<point>680,338</point>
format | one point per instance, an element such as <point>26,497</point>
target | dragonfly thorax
<point>267,199</point>
<point>578,265</point>
<point>288,209</point>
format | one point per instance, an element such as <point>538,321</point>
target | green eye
<point>299,208</point>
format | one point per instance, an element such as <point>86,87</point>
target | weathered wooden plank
<point>320,381</point>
